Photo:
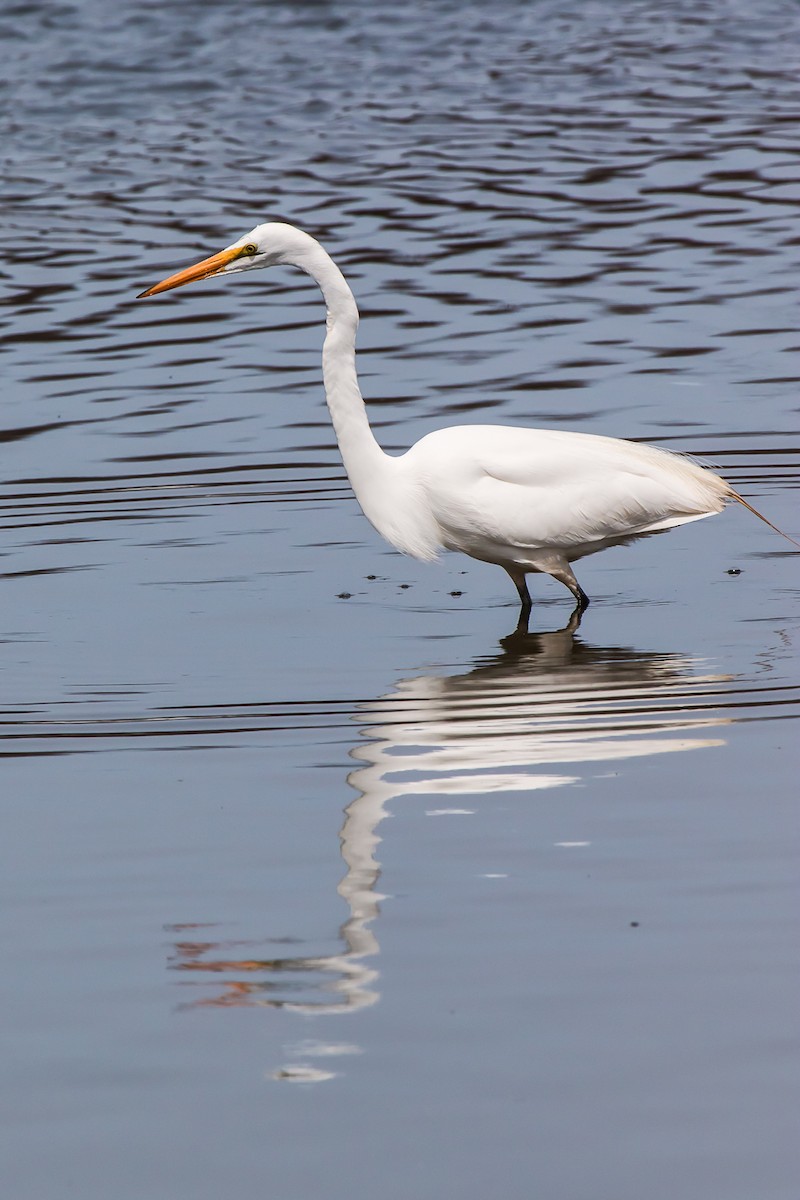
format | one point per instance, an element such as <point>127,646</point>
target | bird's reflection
<point>521,720</point>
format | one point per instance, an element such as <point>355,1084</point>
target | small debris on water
<point>634,924</point>
<point>733,571</point>
<point>456,593</point>
<point>343,595</point>
<point>405,585</point>
<point>301,1073</point>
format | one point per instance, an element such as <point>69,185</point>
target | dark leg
<point>566,576</point>
<point>525,603</point>
<point>581,597</point>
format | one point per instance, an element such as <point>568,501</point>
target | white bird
<point>529,500</point>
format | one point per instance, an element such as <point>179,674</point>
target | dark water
<point>565,966</point>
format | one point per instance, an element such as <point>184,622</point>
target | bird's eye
<point>250,248</point>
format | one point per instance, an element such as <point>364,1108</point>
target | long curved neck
<point>386,487</point>
<point>363,458</point>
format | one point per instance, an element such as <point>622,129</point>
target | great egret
<point>525,499</point>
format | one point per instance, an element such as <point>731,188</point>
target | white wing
<point>497,491</point>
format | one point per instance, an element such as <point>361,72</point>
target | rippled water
<point>564,966</point>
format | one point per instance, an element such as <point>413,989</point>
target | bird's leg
<point>564,574</point>
<point>581,597</point>
<point>520,583</point>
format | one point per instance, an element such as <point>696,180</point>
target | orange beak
<point>201,270</point>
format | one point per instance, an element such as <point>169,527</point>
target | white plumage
<point>525,499</point>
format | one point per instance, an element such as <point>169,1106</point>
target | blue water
<point>314,880</point>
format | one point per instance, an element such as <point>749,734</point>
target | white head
<point>269,245</point>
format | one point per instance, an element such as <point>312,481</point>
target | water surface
<point>313,874</point>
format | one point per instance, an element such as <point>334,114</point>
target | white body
<point>526,499</point>
<point>533,498</point>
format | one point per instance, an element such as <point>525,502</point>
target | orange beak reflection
<point>201,270</point>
